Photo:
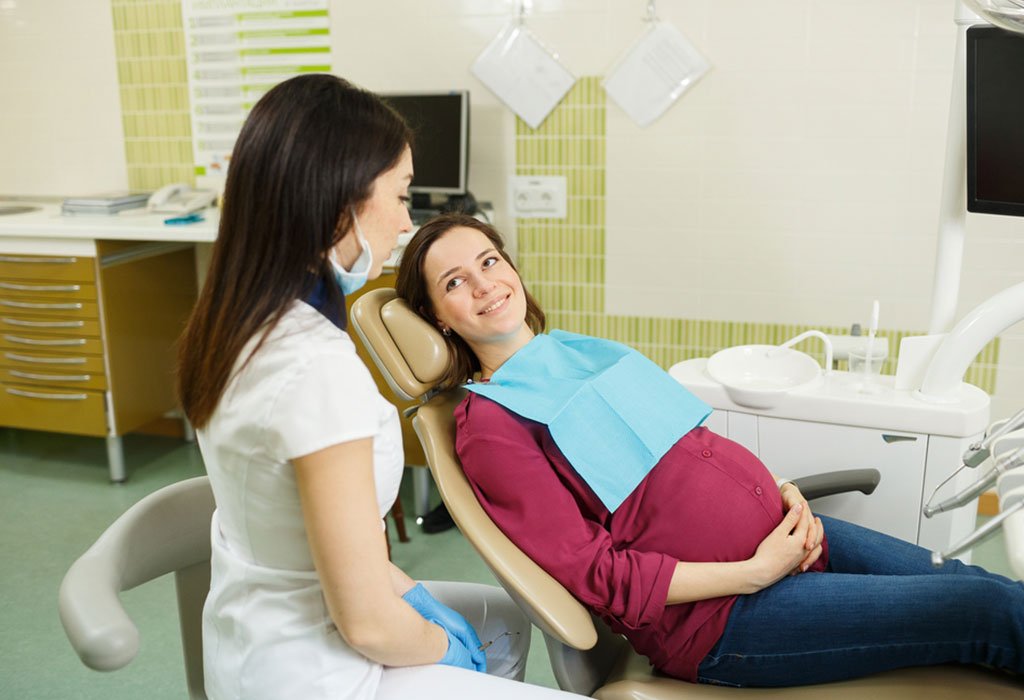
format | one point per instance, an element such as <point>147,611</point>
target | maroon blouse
<point>708,499</point>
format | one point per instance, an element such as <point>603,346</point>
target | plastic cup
<point>864,371</point>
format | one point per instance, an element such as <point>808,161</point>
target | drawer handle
<point>28,305</point>
<point>41,287</point>
<point>46,360</point>
<point>33,341</point>
<point>52,397</point>
<point>43,324</point>
<point>50,377</point>
<point>57,261</point>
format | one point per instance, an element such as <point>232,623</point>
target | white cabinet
<point>799,448</point>
<point>795,448</point>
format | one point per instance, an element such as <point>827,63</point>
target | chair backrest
<point>412,355</point>
<point>167,531</point>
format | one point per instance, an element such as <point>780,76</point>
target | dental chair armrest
<point>843,481</point>
<point>95,621</point>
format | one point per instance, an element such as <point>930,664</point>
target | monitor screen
<point>440,148</point>
<point>995,121</point>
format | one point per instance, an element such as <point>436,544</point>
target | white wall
<point>60,111</point>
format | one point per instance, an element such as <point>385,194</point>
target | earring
<point>446,332</point>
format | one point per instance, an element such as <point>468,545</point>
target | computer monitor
<point>440,148</point>
<point>995,121</point>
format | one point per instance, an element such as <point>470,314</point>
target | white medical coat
<point>266,629</point>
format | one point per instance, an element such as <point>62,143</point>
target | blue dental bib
<point>612,412</point>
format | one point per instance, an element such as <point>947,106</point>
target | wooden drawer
<point>51,362</point>
<point>37,290</point>
<point>36,408</point>
<point>88,328</point>
<point>47,267</point>
<point>70,378</point>
<point>37,342</point>
<point>50,308</point>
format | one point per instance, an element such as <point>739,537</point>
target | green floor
<point>55,499</point>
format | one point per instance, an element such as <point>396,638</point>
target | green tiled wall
<point>150,46</point>
<point>562,260</point>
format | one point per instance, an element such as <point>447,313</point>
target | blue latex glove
<point>459,655</point>
<point>460,633</point>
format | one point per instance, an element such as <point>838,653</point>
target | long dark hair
<point>306,157</point>
<point>411,285</point>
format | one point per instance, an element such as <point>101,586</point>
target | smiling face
<point>477,294</point>
<point>382,217</point>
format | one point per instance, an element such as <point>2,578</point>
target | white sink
<point>760,376</point>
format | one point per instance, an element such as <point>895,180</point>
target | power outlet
<point>537,197</point>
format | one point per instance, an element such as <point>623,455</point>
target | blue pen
<point>180,220</point>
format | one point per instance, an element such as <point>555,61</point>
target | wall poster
<point>236,50</point>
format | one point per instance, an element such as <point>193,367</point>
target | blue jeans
<point>880,605</point>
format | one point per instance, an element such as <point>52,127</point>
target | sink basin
<point>8,209</point>
<point>760,376</point>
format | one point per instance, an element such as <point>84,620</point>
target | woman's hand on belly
<point>791,497</point>
<point>784,549</point>
<point>778,554</point>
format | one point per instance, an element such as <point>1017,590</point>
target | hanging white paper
<point>523,74</point>
<point>653,72</point>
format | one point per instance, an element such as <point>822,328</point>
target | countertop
<point>834,400</point>
<point>130,224</point>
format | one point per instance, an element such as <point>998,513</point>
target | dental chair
<point>167,531</point>
<point>586,657</point>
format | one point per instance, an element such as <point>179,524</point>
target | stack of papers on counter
<point>107,203</point>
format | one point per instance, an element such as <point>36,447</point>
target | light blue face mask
<point>354,279</point>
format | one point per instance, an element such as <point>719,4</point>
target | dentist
<point>304,455</point>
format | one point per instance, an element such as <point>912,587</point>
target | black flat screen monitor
<point>440,148</point>
<point>995,121</point>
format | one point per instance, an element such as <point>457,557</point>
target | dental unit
<point>800,418</point>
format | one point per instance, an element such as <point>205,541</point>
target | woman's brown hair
<point>306,157</point>
<point>412,286</point>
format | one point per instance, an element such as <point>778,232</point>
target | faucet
<point>815,334</point>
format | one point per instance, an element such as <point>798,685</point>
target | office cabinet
<point>87,343</point>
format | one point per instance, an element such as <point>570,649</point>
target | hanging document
<point>523,73</point>
<point>659,67</point>
<point>236,50</point>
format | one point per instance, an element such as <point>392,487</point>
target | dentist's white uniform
<point>267,632</point>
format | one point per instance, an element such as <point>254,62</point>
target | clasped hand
<point>815,531</point>
<point>463,642</point>
<point>796,543</point>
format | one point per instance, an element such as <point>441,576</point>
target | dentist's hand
<point>463,642</point>
<point>459,655</point>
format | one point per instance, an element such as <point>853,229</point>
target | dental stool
<point>586,657</point>
<point>167,531</point>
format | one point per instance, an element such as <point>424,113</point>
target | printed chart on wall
<point>236,51</point>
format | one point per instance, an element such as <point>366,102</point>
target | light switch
<point>537,196</point>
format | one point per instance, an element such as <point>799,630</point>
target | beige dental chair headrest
<point>410,374</point>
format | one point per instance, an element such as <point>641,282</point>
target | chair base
<point>632,678</point>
